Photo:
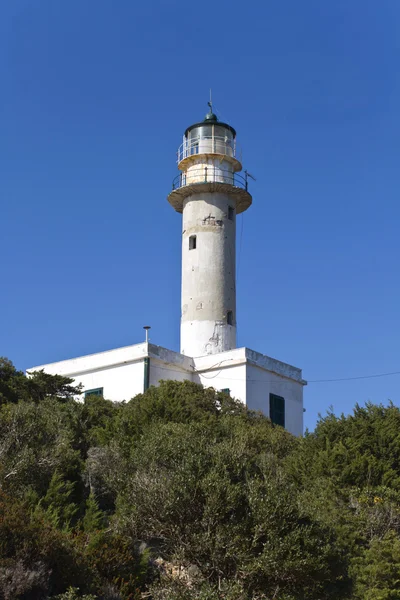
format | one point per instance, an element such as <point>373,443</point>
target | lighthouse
<point>210,192</point>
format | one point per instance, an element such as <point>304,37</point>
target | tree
<point>183,493</point>
<point>39,385</point>
<point>36,559</point>
<point>377,572</point>
<point>35,441</point>
<point>56,506</point>
<point>73,594</point>
<point>10,381</point>
<point>362,449</point>
<point>174,402</point>
<point>94,518</point>
<point>14,385</point>
<point>216,498</point>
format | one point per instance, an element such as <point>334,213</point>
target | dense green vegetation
<point>183,494</point>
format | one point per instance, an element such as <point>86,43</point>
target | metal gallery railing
<point>210,174</point>
<point>207,145</point>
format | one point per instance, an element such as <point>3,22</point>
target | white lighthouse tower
<point>209,192</point>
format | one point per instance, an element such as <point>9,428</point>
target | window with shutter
<point>95,392</point>
<point>277,409</point>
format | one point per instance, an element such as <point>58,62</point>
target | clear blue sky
<point>95,96</point>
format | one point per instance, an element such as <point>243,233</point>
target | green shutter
<point>95,392</point>
<point>277,409</point>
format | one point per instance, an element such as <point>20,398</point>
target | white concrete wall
<point>251,377</point>
<point>119,383</point>
<point>119,372</point>
<point>208,275</point>
<point>208,168</point>
<point>225,370</point>
<point>233,378</point>
<point>261,383</point>
<point>163,371</point>
<point>202,337</point>
<point>253,385</point>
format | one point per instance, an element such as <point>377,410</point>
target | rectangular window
<point>277,409</point>
<point>95,392</point>
<point>192,242</point>
<point>229,317</point>
<point>231,213</point>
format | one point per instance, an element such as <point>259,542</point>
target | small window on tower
<point>229,317</point>
<point>231,213</point>
<point>192,242</point>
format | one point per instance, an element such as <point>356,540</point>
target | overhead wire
<point>354,378</point>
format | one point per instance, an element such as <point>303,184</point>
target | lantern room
<point>209,137</point>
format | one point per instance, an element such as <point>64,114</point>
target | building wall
<point>231,377</point>
<point>261,383</point>
<point>249,376</point>
<point>253,384</point>
<point>163,371</point>
<point>119,372</point>
<point>119,383</point>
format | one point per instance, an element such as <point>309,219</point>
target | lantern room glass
<point>209,139</point>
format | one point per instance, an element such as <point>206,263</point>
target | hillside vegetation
<point>183,494</point>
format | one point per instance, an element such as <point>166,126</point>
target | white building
<point>209,193</point>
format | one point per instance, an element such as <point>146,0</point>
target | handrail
<point>210,174</point>
<point>207,145</point>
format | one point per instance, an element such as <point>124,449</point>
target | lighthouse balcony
<point>210,179</point>
<point>209,174</point>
